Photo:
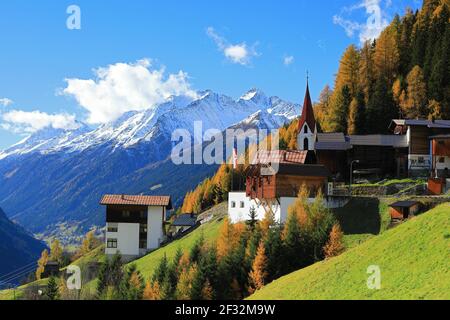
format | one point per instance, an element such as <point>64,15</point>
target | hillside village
<point>361,178</point>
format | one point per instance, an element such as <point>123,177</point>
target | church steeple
<point>307,112</point>
<point>307,129</point>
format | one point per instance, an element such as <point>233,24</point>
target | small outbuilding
<point>183,223</point>
<point>403,210</point>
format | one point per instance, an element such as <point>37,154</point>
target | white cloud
<point>374,25</point>
<point>6,102</point>
<point>288,60</point>
<point>236,53</point>
<point>124,87</point>
<point>28,122</point>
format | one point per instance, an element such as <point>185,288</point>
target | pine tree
<point>356,118</point>
<point>367,70</point>
<point>334,246</point>
<point>52,291</point>
<point>252,221</point>
<point>207,291</point>
<point>258,274</point>
<point>275,254</point>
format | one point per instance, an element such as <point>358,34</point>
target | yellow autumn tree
<point>152,291</point>
<point>334,246</point>
<point>42,262</point>
<point>56,251</point>
<point>184,285</point>
<point>258,274</point>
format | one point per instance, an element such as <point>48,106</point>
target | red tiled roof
<point>307,113</point>
<point>280,156</point>
<point>111,199</point>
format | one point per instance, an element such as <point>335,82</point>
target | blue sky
<point>175,46</point>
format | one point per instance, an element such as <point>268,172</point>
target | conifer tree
<point>152,291</point>
<point>52,291</point>
<point>334,246</point>
<point>258,274</point>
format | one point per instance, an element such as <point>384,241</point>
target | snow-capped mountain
<point>214,110</point>
<point>53,180</point>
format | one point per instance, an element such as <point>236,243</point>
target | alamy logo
<point>374,280</point>
<point>74,20</point>
<point>215,146</point>
<point>74,280</point>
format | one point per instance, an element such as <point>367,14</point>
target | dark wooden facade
<point>287,182</point>
<point>119,214</point>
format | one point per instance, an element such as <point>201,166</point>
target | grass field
<point>210,232</point>
<point>413,259</point>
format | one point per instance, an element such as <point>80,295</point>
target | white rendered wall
<point>155,233</point>
<point>127,239</point>
<point>280,210</point>
<point>311,138</point>
<point>443,165</point>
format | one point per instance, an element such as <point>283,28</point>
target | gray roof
<point>331,137</point>
<point>185,220</point>
<point>422,122</point>
<point>332,146</point>
<point>397,141</point>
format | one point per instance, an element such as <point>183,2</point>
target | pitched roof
<point>331,137</point>
<point>280,156</point>
<point>111,199</point>
<point>307,112</point>
<point>421,122</point>
<point>397,141</point>
<point>185,220</point>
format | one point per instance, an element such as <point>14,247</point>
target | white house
<point>134,224</point>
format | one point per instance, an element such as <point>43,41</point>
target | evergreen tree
<point>52,291</point>
<point>253,219</point>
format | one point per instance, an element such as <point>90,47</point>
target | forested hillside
<point>405,73</point>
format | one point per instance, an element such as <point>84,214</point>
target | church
<point>415,148</point>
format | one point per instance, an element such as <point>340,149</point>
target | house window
<point>143,244</point>
<point>421,160</point>
<point>113,229</point>
<point>242,204</point>
<point>306,129</point>
<point>112,243</point>
<point>441,160</point>
<point>126,214</point>
<point>233,204</point>
<point>306,144</point>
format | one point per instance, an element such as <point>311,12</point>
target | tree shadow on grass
<point>360,216</point>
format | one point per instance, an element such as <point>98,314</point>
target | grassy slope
<point>210,231</point>
<point>93,256</point>
<point>413,257</point>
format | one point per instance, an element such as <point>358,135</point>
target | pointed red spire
<point>308,112</point>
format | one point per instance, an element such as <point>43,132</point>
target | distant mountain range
<point>19,251</point>
<point>51,182</point>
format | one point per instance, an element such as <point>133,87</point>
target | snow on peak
<point>216,111</point>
